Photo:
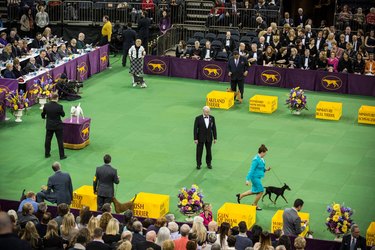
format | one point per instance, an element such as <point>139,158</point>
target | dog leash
<point>276,176</point>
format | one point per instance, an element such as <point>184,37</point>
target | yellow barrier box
<point>263,104</point>
<point>366,115</point>
<point>328,110</point>
<point>84,196</point>
<point>370,235</point>
<point>150,205</point>
<point>277,221</point>
<point>234,213</point>
<point>220,99</point>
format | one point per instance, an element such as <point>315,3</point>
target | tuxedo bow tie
<point>206,117</point>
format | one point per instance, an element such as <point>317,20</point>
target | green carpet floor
<point>149,133</point>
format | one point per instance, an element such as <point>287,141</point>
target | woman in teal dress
<point>255,175</point>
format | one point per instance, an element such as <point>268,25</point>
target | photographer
<point>68,90</point>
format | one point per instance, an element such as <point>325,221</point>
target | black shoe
<point>259,209</point>
<point>63,157</point>
<point>198,166</point>
<point>209,166</point>
<point>238,198</point>
<point>47,156</point>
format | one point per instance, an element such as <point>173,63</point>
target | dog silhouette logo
<point>103,59</point>
<point>270,77</point>
<point>156,66</point>
<point>85,131</point>
<point>82,69</point>
<point>4,88</point>
<point>212,71</point>
<point>331,82</point>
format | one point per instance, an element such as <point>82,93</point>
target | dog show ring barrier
<point>148,205</point>
<point>84,196</point>
<point>235,213</point>
<point>76,135</point>
<point>277,221</point>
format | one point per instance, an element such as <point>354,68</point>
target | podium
<point>84,196</point>
<point>149,205</point>
<point>235,213</point>
<point>76,135</point>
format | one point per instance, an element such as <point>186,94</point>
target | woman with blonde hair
<point>200,230</point>
<point>111,234</point>
<point>31,235</point>
<point>52,238</point>
<point>163,235</point>
<point>104,219</point>
<point>126,245</point>
<point>68,227</point>
<point>93,223</point>
<point>167,245</point>
<point>264,242</point>
<point>300,243</point>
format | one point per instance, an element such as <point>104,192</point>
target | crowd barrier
<point>314,80</point>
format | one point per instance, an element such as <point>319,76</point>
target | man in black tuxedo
<point>59,187</point>
<point>128,39</point>
<point>255,55</point>
<point>53,112</point>
<point>204,134</point>
<point>97,243</point>
<point>207,53</point>
<point>301,18</point>
<point>237,68</point>
<point>42,59</point>
<point>353,241</point>
<point>144,24</point>
<point>307,61</point>
<point>104,179</point>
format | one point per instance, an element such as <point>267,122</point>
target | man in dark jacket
<point>353,240</point>
<point>59,187</point>
<point>9,240</point>
<point>53,112</point>
<point>237,71</point>
<point>144,24</point>
<point>104,179</point>
<point>128,36</point>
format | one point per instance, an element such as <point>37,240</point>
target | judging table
<point>79,67</point>
<point>314,80</point>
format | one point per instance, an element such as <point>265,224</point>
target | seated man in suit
<point>307,61</point>
<point>73,46</point>
<point>149,243</point>
<point>255,55</point>
<point>55,54</point>
<point>42,59</point>
<point>59,188</point>
<point>31,66</point>
<point>37,43</point>
<point>353,240</point>
<point>81,41</point>
<point>229,43</point>
<point>207,52</point>
<point>63,51</point>
<point>287,20</point>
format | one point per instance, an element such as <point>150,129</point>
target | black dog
<point>277,191</point>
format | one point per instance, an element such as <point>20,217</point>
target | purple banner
<point>269,76</point>
<point>331,82</point>
<point>82,67</point>
<point>29,87</point>
<point>298,77</point>
<point>250,78</point>
<point>186,68</point>
<point>76,133</point>
<point>94,62</point>
<point>103,57</point>
<point>8,84</point>
<point>212,70</point>
<point>3,109</point>
<point>156,65</point>
<point>361,85</point>
<point>71,69</point>
<point>57,72</point>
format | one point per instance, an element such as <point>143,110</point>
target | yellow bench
<point>370,235</point>
<point>328,110</point>
<point>235,213</point>
<point>263,104</point>
<point>366,115</point>
<point>220,99</point>
<point>277,221</point>
<point>84,196</point>
<point>150,205</point>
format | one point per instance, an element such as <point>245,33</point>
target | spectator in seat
<point>370,42</point>
<point>282,58</point>
<point>47,35</point>
<point>30,197</point>
<point>262,45</point>
<point>359,18</point>
<point>173,228</point>
<point>150,242</point>
<point>330,39</point>
<point>16,51</point>
<point>73,46</point>
<point>23,47</point>
<point>269,57</point>
<point>27,215</point>
<point>112,234</point>
<point>42,59</point>
<point>277,234</point>
<point>97,242</point>
<point>13,35</point>
<point>276,44</point>
<point>242,241</point>
<point>285,241</point>
<point>17,71</point>
<point>264,242</point>
<point>370,65</point>
<point>345,63</point>
<point>311,46</point>
<point>362,50</point>
<point>206,214</point>
<point>342,43</point>
<point>229,43</point>
<point>307,61</point>
<point>350,51</point>
<point>260,24</point>
<point>370,18</point>
<point>55,54</point>
<point>7,53</point>
<point>332,62</point>
<point>196,51</point>
<point>355,43</point>
<point>359,64</point>
<point>345,16</point>
<point>30,234</point>
<point>294,59</point>
<point>41,227</point>
<point>321,62</point>
<point>354,238</point>
<point>8,72</point>
<point>165,22</point>
<point>181,49</point>
<point>300,243</point>
<point>242,50</point>
<point>81,41</point>
<point>137,233</point>
<point>348,35</point>
<point>319,41</point>
<point>308,32</point>
<point>291,38</point>
<point>37,43</point>
<point>68,228</point>
<point>62,210</point>
<point>207,52</point>
<point>9,240</point>
<point>63,51</point>
<point>217,12</point>
<point>287,20</point>
<point>301,18</point>
<point>3,39</point>
<point>180,244</point>
<point>337,50</point>
<point>268,36</point>
<point>261,5</point>
<point>31,66</point>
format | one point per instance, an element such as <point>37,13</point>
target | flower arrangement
<point>339,221</point>
<point>190,200</point>
<point>296,100</point>
<point>45,86</point>
<point>17,100</point>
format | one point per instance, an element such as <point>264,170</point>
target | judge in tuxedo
<point>237,68</point>
<point>42,59</point>
<point>53,112</point>
<point>354,240</point>
<point>207,53</point>
<point>204,135</point>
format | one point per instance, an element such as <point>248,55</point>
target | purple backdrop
<point>298,77</point>
<point>156,65</point>
<point>186,68</point>
<point>82,67</point>
<point>331,82</point>
<point>361,85</point>
<point>56,72</point>
<point>8,84</point>
<point>103,58</point>
<point>2,106</point>
<point>94,62</point>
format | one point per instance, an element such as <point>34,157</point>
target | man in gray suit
<point>291,220</point>
<point>59,187</point>
<point>104,178</point>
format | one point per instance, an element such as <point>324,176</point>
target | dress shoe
<point>209,166</point>
<point>63,157</point>
<point>238,198</point>
<point>198,166</point>
<point>47,156</point>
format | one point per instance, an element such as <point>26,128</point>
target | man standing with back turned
<point>104,179</point>
<point>204,134</point>
<point>53,112</point>
<point>292,221</point>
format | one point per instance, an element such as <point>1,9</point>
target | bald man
<point>204,135</point>
<point>149,243</point>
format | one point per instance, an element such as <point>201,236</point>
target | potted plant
<point>296,101</point>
